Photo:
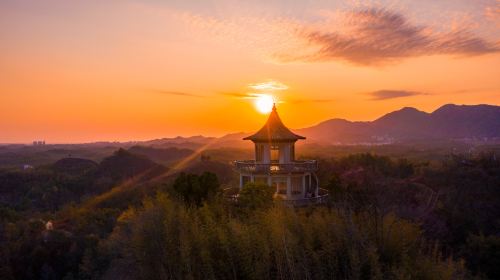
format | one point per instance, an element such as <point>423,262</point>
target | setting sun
<point>264,103</point>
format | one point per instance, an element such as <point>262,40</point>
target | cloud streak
<point>178,93</point>
<point>375,36</point>
<point>252,96</point>
<point>390,94</point>
<point>268,86</point>
<point>301,101</point>
<point>369,36</point>
<point>493,13</point>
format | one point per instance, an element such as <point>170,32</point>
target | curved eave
<point>271,139</point>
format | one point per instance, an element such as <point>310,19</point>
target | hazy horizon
<point>214,136</point>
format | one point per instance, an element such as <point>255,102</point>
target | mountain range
<point>449,122</point>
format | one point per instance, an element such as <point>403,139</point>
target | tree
<point>256,196</point>
<point>334,186</point>
<point>209,183</point>
<point>195,189</point>
<point>482,254</point>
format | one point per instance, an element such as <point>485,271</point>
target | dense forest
<point>129,216</point>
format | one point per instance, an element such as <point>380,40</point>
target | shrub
<point>256,196</point>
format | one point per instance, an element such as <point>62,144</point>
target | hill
<point>74,166</point>
<point>124,164</point>
<point>465,122</point>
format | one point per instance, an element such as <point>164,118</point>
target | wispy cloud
<point>375,36</point>
<point>258,90</point>
<point>234,94</point>
<point>248,95</point>
<point>492,12</point>
<point>178,93</point>
<point>252,96</point>
<point>300,101</point>
<point>269,86</point>
<point>389,94</point>
<point>362,36</point>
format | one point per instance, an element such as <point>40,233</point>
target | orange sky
<point>134,70</point>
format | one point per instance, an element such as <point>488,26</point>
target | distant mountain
<point>407,124</point>
<point>448,122</point>
<point>467,121</point>
<point>196,142</point>
<point>192,142</point>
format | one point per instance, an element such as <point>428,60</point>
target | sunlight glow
<point>264,103</point>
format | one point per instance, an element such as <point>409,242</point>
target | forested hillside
<point>127,217</point>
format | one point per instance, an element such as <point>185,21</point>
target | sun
<point>264,103</point>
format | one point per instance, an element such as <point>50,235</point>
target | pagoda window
<point>259,153</point>
<point>275,153</point>
<point>280,185</point>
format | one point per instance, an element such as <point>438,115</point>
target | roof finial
<point>274,106</point>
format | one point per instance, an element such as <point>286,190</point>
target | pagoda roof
<point>274,131</point>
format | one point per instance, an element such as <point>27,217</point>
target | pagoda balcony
<point>232,195</point>
<point>252,166</point>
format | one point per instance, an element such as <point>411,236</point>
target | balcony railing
<point>321,199</point>
<point>275,167</point>
<point>231,194</point>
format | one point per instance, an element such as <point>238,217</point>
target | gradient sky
<point>79,71</point>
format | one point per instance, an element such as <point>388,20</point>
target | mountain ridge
<point>449,121</point>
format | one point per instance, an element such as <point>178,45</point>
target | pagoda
<point>275,164</point>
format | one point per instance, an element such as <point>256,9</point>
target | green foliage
<point>383,165</point>
<point>256,196</point>
<point>482,255</point>
<point>8,215</point>
<point>35,253</point>
<point>452,200</point>
<point>168,241</point>
<point>384,219</point>
<point>40,188</point>
<point>334,187</point>
<point>472,201</point>
<point>195,189</point>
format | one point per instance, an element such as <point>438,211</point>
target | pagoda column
<point>317,184</point>
<point>288,186</point>
<point>266,153</point>
<point>304,186</point>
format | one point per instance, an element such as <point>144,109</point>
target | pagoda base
<point>290,186</point>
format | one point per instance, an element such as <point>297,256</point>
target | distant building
<point>27,167</point>
<point>39,143</point>
<point>294,181</point>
